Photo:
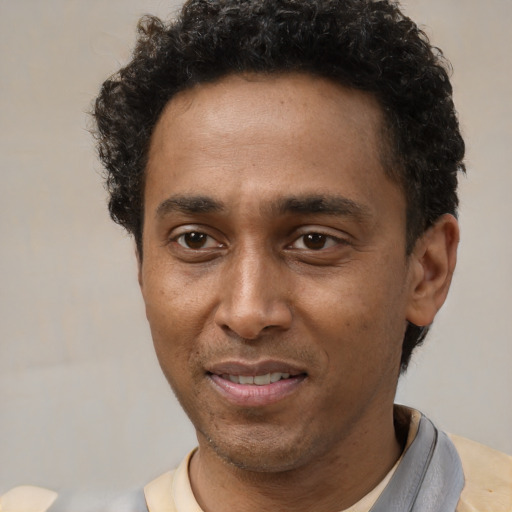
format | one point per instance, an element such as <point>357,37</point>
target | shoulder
<point>27,497</point>
<point>488,476</point>
<point>172,491</point>
<point>159,493</point>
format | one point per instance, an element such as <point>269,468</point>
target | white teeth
<point>261,380</point>
<point>258,380</point>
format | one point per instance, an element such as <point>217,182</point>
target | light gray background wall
<point>82,401</point>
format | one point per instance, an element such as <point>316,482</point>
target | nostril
<point>250,315</point>
<point>242,335</point>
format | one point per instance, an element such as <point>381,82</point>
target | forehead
<point>264,136</point>
<point>312,105</point>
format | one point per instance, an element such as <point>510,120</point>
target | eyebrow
<point>189,204</point>
<point>322,204</point>
<point>299,205</point>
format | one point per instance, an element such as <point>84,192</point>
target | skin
<point>243,271</point>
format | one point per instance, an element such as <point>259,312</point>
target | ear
<point>432,265</point>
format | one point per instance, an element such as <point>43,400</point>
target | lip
<point>254,368</point>
<point>250,395</point>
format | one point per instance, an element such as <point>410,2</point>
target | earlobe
<point>432,266</point>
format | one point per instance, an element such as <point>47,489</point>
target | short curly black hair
<point>364,44</point>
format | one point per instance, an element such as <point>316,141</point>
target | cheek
<point>363,314</point>
<point>172,298</point>
<point>170,314</point>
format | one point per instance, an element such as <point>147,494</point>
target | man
<point>288,169</point>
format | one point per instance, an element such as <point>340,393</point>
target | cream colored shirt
<point>487,472</point>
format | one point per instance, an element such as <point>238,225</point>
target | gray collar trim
<point>428,479</point>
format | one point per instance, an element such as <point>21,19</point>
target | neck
<point>332,481</point>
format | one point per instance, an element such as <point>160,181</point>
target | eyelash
<point>318,236</point>
<point>195,232</point>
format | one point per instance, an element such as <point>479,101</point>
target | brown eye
<point>314,241</point>
<point>193,240</point>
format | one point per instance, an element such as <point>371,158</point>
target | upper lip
<point>254,368</point>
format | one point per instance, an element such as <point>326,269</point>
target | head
<point>367,45</point>
<point>288,170</point>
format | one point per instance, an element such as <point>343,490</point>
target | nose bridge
<point>252,287</point>
<point>254,297</point>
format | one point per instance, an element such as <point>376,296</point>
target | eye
<point>315,241</point>
<point>196,240</point>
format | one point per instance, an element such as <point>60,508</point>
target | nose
<point>254,300</point>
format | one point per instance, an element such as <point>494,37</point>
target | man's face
<point>274,273</point>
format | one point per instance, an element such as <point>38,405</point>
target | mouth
<point>255,385</point>
<point>256,380</point>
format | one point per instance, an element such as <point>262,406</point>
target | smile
<point>257,380</point>
<point>258,385</point>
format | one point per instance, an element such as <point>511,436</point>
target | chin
<point>260,452</point>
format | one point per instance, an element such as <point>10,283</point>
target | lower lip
<point>251,395</point>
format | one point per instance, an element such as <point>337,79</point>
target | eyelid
<point>180,231</point>
<point>333,242</point>
<point>206,246</point>
<point>339,238</point>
